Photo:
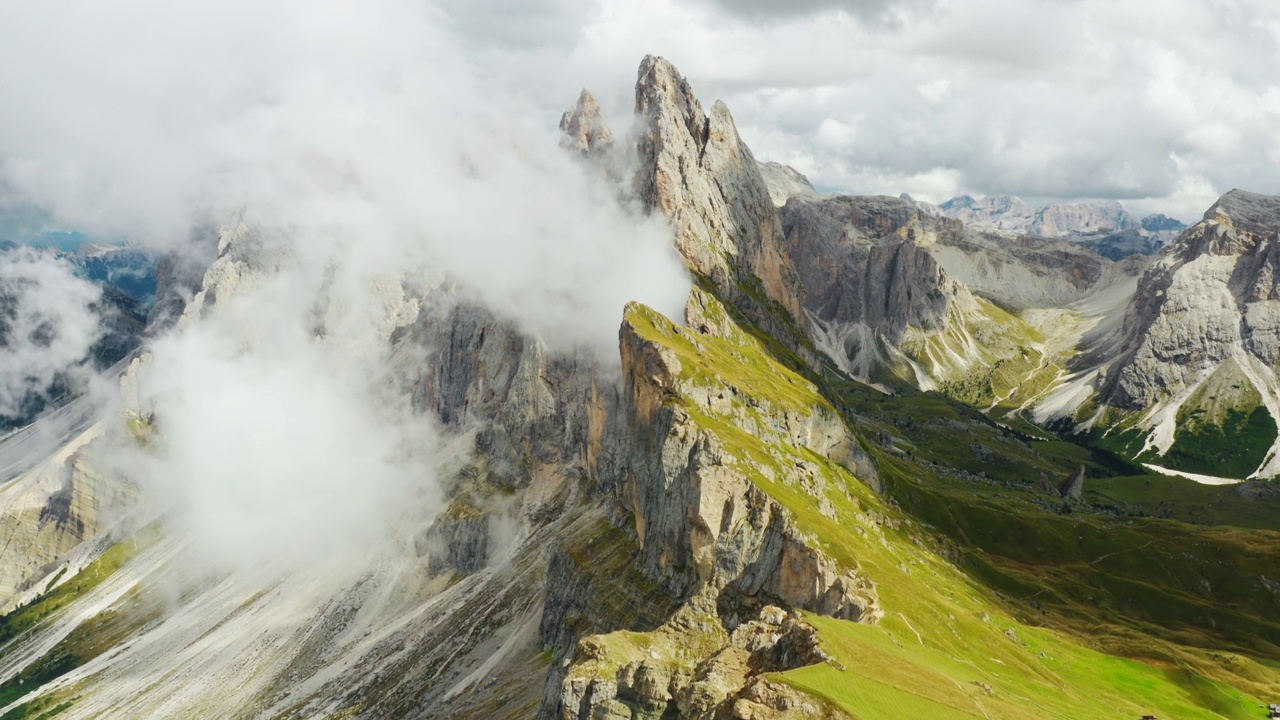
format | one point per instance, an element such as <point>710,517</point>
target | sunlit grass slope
<point>950,645</point>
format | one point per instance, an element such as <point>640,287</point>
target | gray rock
<point>862,261</point>
<point>785,182</point>
<point>695,169</point>
<point>1206,298</point>
<point>583,127</point>
<point>1073,487</point>
<point>1010,214</point>
<point>699,520</point>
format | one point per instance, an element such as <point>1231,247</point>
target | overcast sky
<point>1162,104</point>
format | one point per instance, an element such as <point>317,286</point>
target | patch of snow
<point>1202,479</point>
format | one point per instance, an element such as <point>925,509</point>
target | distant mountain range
<point>1102,225</point>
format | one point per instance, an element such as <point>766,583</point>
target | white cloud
<point>1045,98</point>
<point>361,141</point>
<point>272,450</point>
<point>351,124</point>
<point>47,326</point>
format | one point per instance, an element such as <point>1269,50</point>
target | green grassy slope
<point>1037,612</point>
<point>90,639</point>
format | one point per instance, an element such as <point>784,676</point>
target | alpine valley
<point>895,460</point>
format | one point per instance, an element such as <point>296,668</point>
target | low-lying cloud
<point>362,150</point>
<point>47,328</point>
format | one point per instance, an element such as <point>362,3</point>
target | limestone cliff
<point>717,436</point>
<point>697,171</point>
<point>884,305</point>
<point>583,127</point>
<point>1206,311</point>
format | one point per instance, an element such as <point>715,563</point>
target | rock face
<point>718,545</point>
<point>885,303</point>
<point>1210,295</point>
<point>1003,212</point>
<point>729,684</point>
<point>1125,243</point>
<point>1206,311</point>
<point>1073,487</point>
<point>583,127</point>
<point>179,276</point>
<point>52,509</point>
<point>1025,271</point>
<point>529,410</point>
<point>696,170</point>
<point>1159,222</point>
<point>863,260</point>
<point>1062,220</point>
<point>698,517</point>
<point>786,182</point>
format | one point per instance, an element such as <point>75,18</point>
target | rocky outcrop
<point>1198,346</point>
<point>695,170</point>
<point>872,277</point>
<point>583,127</point>
<point>1026,271</point>
<point>1055,220</point>
<point>1159,222</point>
<point>530,410</point>
<point>1002,212</point>
<point>730,682</point>
<point>863,260</point>
<point>1073,487</point>
<point>52,509</point>
<point>1122,244</point>
<point>785,182</point>
<point>178,279</point>
<point>708,541</point>
<point>1211,295</point>
<point>698,516</point>
<point>458,540</point>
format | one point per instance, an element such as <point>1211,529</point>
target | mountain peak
<point>785,182</point>
<point>1159,222</point>
<point>662,90</point>
<point>1247,208</point>
<point>696,170</point>
<point>583,126</point>
<point>963,201</point>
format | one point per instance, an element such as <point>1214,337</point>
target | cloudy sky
<point>1161,104</point>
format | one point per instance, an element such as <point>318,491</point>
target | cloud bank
<point>363,147</point>
<point>47,327</point>
<point>350,124</point>
<point>1163,105</point>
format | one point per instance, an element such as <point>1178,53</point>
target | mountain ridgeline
<point>888,464</point>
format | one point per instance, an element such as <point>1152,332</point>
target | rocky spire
<point>697,171</point>
<point>583,126</point>
<point>1073,487</point>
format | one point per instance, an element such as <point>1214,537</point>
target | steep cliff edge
<point>695,169</point>
<point>887,310</point>
<point>726,452</point>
